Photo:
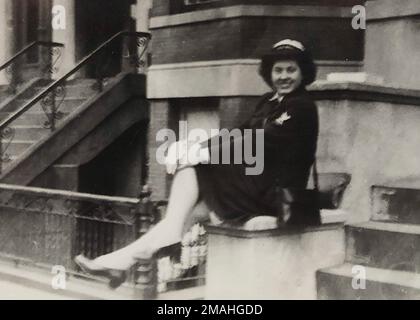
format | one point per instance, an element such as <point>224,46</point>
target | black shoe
<point>173,251</point>
<point>116,277</point>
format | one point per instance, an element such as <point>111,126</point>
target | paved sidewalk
<point>13,291</point>
<point>30,283</point>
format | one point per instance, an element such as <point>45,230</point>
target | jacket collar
<point>299,91</point>
<point>276,97</point>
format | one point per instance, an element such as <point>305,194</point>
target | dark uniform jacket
<point>289,152</point>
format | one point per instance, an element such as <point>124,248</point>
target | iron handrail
<point>27,48</point>
<point>4,124</point>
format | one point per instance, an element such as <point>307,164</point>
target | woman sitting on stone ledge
<point>289,119</point>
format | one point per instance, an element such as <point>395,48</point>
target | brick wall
<point>161,117</point>
<point>249,37</point>
<point>160,8</point>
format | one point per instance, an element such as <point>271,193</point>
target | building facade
<point>205,57</point>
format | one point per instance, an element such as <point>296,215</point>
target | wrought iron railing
<point>51,52</point>
<point>49,227</point>
<point>52,97</point>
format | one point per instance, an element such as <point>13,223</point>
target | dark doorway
<point>120,169</point>
<point>27,26</point>
<point>96,22</point>
<point>32,23</point>
<point>32,15</point>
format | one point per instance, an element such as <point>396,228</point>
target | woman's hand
<point>175,152</point>
<point>182,154</point>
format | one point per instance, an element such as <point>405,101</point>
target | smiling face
<point>286,76</point>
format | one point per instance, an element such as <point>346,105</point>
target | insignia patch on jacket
<point>283,118</point>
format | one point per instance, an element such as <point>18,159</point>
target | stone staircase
<point>90,121</point>
<point>385,250</point>
<point>30,127</point>
<point>24,90</point>
<point>4,93</point>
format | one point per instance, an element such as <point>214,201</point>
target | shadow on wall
<point>120,169</point>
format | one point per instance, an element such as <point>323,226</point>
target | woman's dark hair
<point>289,52</point>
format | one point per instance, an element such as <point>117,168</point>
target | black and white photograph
<point>213,150</point>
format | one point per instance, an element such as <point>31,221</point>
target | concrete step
<point>336,283</point>
<point>24,90</point>
<point>29,118</point>
<point>4,88</point>
<point>82,90</point>
<point>67,105</point>
<point>384,245</point>
<point>81,82</point>
<point>17,147</point>
<point>396,203</point>
<point>4,96</point>
<point>8,161</point>
<point>76,88</point>
<point>35,89</point>
<point>30,132</point>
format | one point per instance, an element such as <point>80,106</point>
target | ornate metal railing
<point>97,62</point>
<point>51,52</point>
<point>49,227</point>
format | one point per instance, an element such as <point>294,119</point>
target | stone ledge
<point>240,78</point>
<point>391,9</point>
<point>357,86</point>
<point>237,231</point>
<point>250,11</point>
<point>252,62</point>
<point>226,78</point>
<point>231,77</point>
<point>407,183</point>
<point>203,64</point>
<point>324,90</point>
<point>387,226</point>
